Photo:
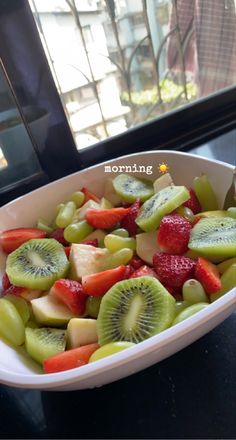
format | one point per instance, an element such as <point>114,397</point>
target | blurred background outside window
<point>118,63</point>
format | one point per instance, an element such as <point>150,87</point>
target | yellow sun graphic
<point>163,168</point>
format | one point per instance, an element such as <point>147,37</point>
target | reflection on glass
<point>18,160</point>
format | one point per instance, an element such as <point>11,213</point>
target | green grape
<point>123,256</point>
<point>186,213</point>
<point>44,226</point>
<point>189,311</point>
<point>232,212</point>
<point>59,207</point>
<point>114,242</point>
<point>222,267</point>
<point>65,215</point>
<point>11,324</point>
<point>78,197</point>
<point>121,232</point>
<point>75,232</point>
<point>109,349</point>
<point>20,305</point>
<point>205,193</point>
<point>179,306</point>
<point>93,306</point>
<point>193,292</point>
<point>228,282</point>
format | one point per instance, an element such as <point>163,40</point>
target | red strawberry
<point>105,218</point>
<point>71,294</point>
<point>58,235</point>
<point>13,238</point>
<point>136,262</point>
<point>97,284</point>
<point>173,234</point>
<point>144,271</point>
<point>15,290</point>
<point>91,242</point>
<point>5,282</point>
<point>128,222</point>
<point>88,195</point>
<point>129,271</point>
<point>193,202</point>
<point>208,275</point>
<point>173,270</point>
<point>176,292</point>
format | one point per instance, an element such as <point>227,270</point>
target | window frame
<point>181,129</point>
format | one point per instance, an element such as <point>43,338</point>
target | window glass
<point>18,160</point>
<point>118,63</point>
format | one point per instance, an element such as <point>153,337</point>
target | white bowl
<point>17,370</point>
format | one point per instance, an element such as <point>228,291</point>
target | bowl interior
<point>41,203</point>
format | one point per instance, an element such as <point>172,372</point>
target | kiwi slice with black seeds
<point>162,203</point>
<point>40,343</point>
<point>214,237</point>
<point>133,310</point>
<point>130,188</point>
<point>37,263</point>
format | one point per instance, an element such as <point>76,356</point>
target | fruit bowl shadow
<point>17,370</point>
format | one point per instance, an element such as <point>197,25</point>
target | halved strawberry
<point>91,242</point>
<point>128,222</point>
<point>58,234</point>
<point>193,202</point>
<point>5,282</point>
<point>11,239</point>
<point>173,235</point>
<point>144,271</point>
<point>97,284</point>
<point>173,270</point>
<point>136,262</point>
<point>71,293</point>
<point>208,275</point>
<point>89,195</point>
<point>105,218</point>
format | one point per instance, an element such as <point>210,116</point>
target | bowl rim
<point>154,343</point>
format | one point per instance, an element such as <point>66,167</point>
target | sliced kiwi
<point>162,203</point>
<point>40,343</point>
<point>214,237</point>
<point>37,263</point>
<point>133,310</point>
<point>130,188</point>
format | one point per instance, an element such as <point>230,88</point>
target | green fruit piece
<point>162,203</point>
<point>81,331</point>
<point>37,263</point>
<point>162,182</point>
<point>189,311</point>
<point>93,306</point>
<point>11,325</point>
<point>205,193</point>
<point>44,226</point>
<point>193,292</point>
<point>130,188</point>
<point>123,256</point>
<point>230,198</point>
<point>66,214</point>
<point>214,237</point>
<point>47,310</point>
<point>32,324</point>
<point>228,282</point>
<point>76,232</point>
<point>106,204</point>
<point>217,213</point>
<point>222,267</point>
<point>41,343</point>
<point>78,198</point>
<point>186,213</point>
<point>121,232</point>
<point>147,246</point>
<point>232,212</point>
<point>179,306</point>
<point>133,310</point>
<point>114,242</point>
<point>21,306</point>
<point>109,349</point>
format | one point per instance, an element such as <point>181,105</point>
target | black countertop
<point>192,394</point>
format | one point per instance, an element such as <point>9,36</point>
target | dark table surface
<point>192,394</point>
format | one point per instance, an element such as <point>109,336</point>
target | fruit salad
<point>107,273</point>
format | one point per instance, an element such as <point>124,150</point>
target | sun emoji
<point>163,167</point>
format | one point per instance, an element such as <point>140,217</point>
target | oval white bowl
<point>17,370</point>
